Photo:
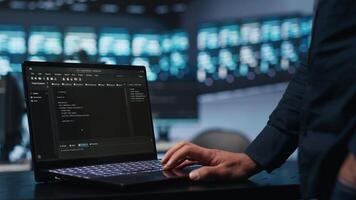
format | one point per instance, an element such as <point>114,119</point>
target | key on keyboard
<point>115,169</point>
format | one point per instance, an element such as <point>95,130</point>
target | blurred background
<point>216,69</point>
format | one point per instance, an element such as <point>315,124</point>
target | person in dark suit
<point>83,56</point>
<point>317,113</point>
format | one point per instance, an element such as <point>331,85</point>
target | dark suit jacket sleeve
<point>279,138</point>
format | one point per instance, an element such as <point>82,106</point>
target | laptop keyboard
<point>107,170</point>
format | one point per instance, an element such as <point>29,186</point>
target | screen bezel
<point>43,165</point>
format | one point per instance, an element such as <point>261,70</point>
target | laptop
<point>92,123</point>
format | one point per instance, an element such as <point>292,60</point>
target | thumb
<point>203,173</point>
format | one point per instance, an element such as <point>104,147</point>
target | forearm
<point>279,138</point>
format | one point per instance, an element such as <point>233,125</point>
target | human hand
<point>217,163</point>
<point>347,173</point>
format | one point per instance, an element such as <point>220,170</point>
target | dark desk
<point>281,184</point>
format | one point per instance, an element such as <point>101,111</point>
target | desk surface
<point>283,183</point>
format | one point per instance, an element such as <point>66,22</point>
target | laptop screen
<point>88,112</point>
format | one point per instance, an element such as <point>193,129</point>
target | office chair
<point>222,139</point>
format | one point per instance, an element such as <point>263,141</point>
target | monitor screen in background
<point>290,28</point>
<point>305,30</point>
<point>173,62</point>
<point>146,51</point>
<point>249,61</point>
<point>13,45</point>
<point>144,61</point>
<point>166,43</point>
<point>289,55</point>
<point>304,45</point>
<point>250,52</point>
<point>229,36</point>
<point>180,41</point>
<point>114,46</point>
<point>306,26</point>
<point>179,64</point>
<point>168,61</point>
<point>78,39</point>
<point>227,61</point>
<point>146,45</point>
<point>208,38</point>
<point>271,31</point>
<point>174,95</point>
<point>269,58</point>
<point>114,42</point>
<point>45,40</point>
<point>12,40</point>
<point>207,67</point>
<point>251,33</point>
<point>172,83</point>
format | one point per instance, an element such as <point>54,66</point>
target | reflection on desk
<point>283,183</point>
<point>15,167</point>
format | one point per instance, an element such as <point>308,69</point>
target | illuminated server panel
<point>45,44</point>
<point>305,29</point>
<point>253,52</point>
<point>146,51</point>
<point>80,44</point>
<point>164,55</point>
<point>114,46</point>
<point>174,59</point>
<point>12,48</point>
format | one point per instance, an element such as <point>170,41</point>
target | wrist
<point>250,166</point>
<point>347,174</point>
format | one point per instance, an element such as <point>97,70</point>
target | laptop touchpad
<point>133,179</point>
